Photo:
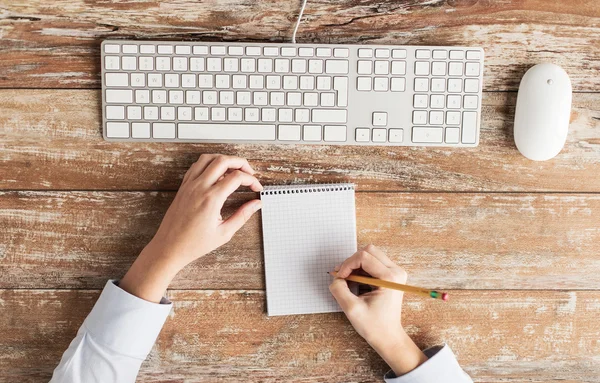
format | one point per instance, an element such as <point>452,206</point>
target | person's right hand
<point>376,315</point>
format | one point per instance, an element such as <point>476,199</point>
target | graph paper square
<point>307,231</point>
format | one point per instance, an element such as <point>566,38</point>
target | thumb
<point>241,216</point>
<point>342,294</point>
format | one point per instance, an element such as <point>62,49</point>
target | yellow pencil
<point>392,285</point>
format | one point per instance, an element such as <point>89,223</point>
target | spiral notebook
<point>307,231</point>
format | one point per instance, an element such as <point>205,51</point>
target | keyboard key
<point>324,52</point>
<point>234,132</point>
<point>273,82</point>
<point>183,49</point>
<point>217,50</point>
<point>184,113</point>
<point>457,55</point>
<point>288,51</point>
<point>289,132</point>
<point>363,83</point>
<point>422,68</point>
<point>290,82</point>
<point>454,85</point>
<point>163,63</point>
<point>365,67</point>
<point>427,135</point>
<point>217,114</point>
<point>116,79</point>
<point>171,80</point>
<point>119,96</point>
<point>380,84</point>
<point>159,96</point>
<point>327,99</point>
<point>452,118</point>
<point>148,49</point>
<point>226,97</point>
<point>200,50</point>
<point>252,114</point>
<point>150,113</point>
<point>323,83</point>
<point>455,68</point>
<point>341,52</point>
<point>111,63</point>
<point>329,116</point>
<point>473,55</point>
<point>336,66</point>
<point>379,135</point>
<point>396,135</point>
<point>419,117</point>
<point>438,85</point>
<point>399,53</point>
<point>236,51</point>
<point>363,135</point>
<point>253,51</point>
<point>307,82</point>
<point>285,115</point>
<point>420,101</point>
<point>340,84</point>
<point>452,135</point>
<point>437,101</point>
<point>335,133</point>
<point>398,84</point>
<point>302,115</point>
<point>205,81</point>
<point>472,69</point>
<point>163,130</point>
<point>278,98</point>
<point>234,114</point>
<point>243,98</point>
<point>421,84</point>
<point>146,63</point>
<point>423,54</point>
<point>398,67</point>
<point>294,99</point>
<point>200,114</point>
<point>214,64</point>
<point>209,97</point>
<point>129,63</point>
<point>440,54</point>
<point>315,66</point>
<point>453,102</point>
<point>436,117</point>
<point>379,118</point>
<point>167,113</point>
<point>231,65</point>
<point>192,97</point>
<point>311,99</point>
<point>142,96</point>
<point>282,65</point>
<point>382,53</point>
<point>260,98</point>
<point>165,49</point>
<point>240,81</point>
<point>140,130</point>
<point>117,129</point>
<point>469,128</point>
<point>312,133</point>
<point>438,68</point>
<point>471,85</point>
<point>114,112</point>
<point>257,81</point>
<point>134,112</point>
<point>248,65</point>
<point>298,66</point>
<point>138,79</point>
<point>365,53</point>
<point>306,52</point>
<point>470,102</point>
<point>111,48</point>
<point>382,67</point>
<point>222,81</point>
<point>128,48</point>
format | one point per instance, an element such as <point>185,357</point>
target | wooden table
<point>514,241</point>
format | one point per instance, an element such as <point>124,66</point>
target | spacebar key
<point>240,132</point>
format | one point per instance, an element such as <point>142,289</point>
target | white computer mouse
<point>543,112</point>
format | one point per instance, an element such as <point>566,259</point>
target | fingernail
<point>337,268</point>
<point>257,205</point>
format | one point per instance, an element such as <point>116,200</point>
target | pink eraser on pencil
<point>444,296</point>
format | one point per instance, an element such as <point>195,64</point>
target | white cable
<point>298,21</point>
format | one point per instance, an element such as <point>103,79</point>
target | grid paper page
<point>307,231</point>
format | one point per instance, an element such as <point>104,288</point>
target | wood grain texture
<point>225,336</point>
<point>460,241</point>
<point>52,139</point>
<point>37,38</point>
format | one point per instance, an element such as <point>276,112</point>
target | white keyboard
<point>291,93</point>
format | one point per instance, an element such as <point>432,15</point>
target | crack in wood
<point>29,18</point>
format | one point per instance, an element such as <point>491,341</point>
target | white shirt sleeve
<point>114,339</point>
<point>441,367</point>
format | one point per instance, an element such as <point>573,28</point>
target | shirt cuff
<point>440,367</point>
<point>126,324</point>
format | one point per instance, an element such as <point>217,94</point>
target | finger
<point>221,164</point>
<point>198,167</point>
<point>367,262</point>
<point>380,255</point>
<point>342,294</point>
<point>232,181</point>
<point>240,217</point>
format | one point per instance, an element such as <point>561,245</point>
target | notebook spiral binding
<point>300,189</point>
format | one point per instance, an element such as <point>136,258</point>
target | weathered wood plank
<point>225,336</point>
<point>52,140</point>
<point>37,38</point>
<point>464,241</point>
